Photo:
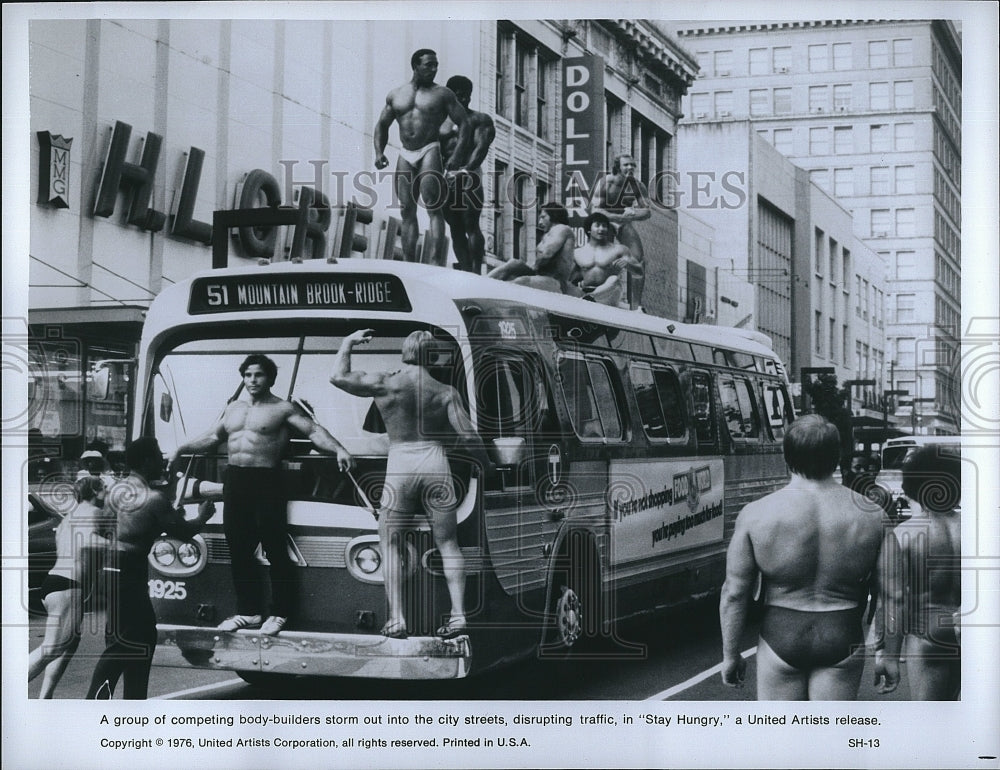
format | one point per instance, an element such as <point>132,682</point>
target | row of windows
<point>942,109</point>
<point>869,301</point>
<point>822,57</point>
<point>947,236</point>
<point>942,69</point>
<point>839,97</point>
<point>882,138</point>
<point>947,196</point>
<point>751,408</point>
<point>829,252</point>
<point>946,316</point>
<point>882,180</point>
<point>524,82</point>
<point>886,223</point>
<point>947,276</point>
<point>944,151</point>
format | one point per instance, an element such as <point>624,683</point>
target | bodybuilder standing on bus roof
<point>465,189</point>
<point>821,549</point>
<point>419,412</point>
<point>420,106</point>
<point>623,199</point>
<point>256,435</point>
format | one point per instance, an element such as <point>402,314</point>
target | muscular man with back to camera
<point>419,413</point>
<point>821,549</point>
<point>420,107</point>
<point>256,435</point>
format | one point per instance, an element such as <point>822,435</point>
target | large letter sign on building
<point>583,131</point>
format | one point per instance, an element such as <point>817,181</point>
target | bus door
<point>517,422</point>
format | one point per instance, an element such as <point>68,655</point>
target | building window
<point>904,137</point>
<point>843,140</point>
<point>906,262</point>
<point>865,299</point>
<point>818,242</point>
<point>783,140</point>
<point>819,333</point>
<point>879,180</point>
<point>758,62</point>
<point>880,223</point>
<point>878,96</point>
<point>819,98</point>
<point>842,56</point>
<point>500,180</point>
<point>821,178</point>
<point>522,201</point>
<point>542,99</point>
<point>723,64</point>
<point>833,338</point>
<point>906,349</point>
<point>843,182</point>
<point>880,138</point>
<point>819,141</point>
<point>833,270</point>
<point>905,223</point>
<point>905,305</point>
<point>781,58</point>
<point>905,181</point>
<point>845,344</point>
<point>902,52</point>
<point>857,357</point>
<point>842,97</point>
<point>878,54</point>
<point>541,198</point>
<point>846,270</point>
<point>759,102</point>
<point>782,101</point>
<point>723,104</point>
<point>819,59</point>
<point>902,94</point>
<point>700,105</point>
<point>857,296</point>
<point>520,85</point>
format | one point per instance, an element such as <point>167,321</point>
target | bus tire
<point>574,608</point>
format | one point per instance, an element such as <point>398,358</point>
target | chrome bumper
<point>314,654</point>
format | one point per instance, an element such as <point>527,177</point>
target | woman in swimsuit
<point>62,591</point>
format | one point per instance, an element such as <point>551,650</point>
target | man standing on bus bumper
<point>418,412</point>
<point>820,549</point>
<point>257,433</point>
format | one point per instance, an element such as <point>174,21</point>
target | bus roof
<point>438,284</point>
<point>921,440</point>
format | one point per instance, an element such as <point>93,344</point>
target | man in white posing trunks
<point>820,549</point>
<point>419,413</point>
<point>420,107</point>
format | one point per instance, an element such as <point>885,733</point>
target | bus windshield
<point>193,382</point>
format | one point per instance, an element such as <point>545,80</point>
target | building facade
<point>773,228</point>
<point>141,129</point>
<point>872,109</point>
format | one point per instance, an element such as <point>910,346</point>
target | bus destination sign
<point>305,291</point>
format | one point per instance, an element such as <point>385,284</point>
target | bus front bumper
<point>314,654</point>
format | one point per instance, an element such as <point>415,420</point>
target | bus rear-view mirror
<point>166,407</point>
<point>507,453</point>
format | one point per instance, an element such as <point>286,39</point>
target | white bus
<point>895,451</point>
<point>622,447</point>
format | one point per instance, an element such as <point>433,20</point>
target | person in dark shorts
<point>141,513</point>
<point>256,433</point>
<point>820,549</point>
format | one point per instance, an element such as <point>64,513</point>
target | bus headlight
<point>368,560</point>
<point>179,558</point>
<point>163,553</point>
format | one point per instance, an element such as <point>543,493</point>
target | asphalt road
<point>677,660</point>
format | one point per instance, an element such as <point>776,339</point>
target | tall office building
<point>872,109</point>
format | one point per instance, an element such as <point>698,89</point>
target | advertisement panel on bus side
<point>663,506</point>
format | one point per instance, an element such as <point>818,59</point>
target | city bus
<point>621,448</point>
<point>896,450</point>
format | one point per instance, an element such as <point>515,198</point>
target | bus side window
<point>701,398</point>
<point>739,408</point>
<point>499,400</point>
<point>607,402</point>
<point>590,398</point>
<point>661,406</point>
<point>748,408</point>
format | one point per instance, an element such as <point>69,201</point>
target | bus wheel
<point>574,620</point>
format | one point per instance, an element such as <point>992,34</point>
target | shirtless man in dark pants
<point>418,412</point>
<point>465,188</point>
<point>820,549</point>
<point>420,107</point>
<point>256,433</point>
<point>141,514</point>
